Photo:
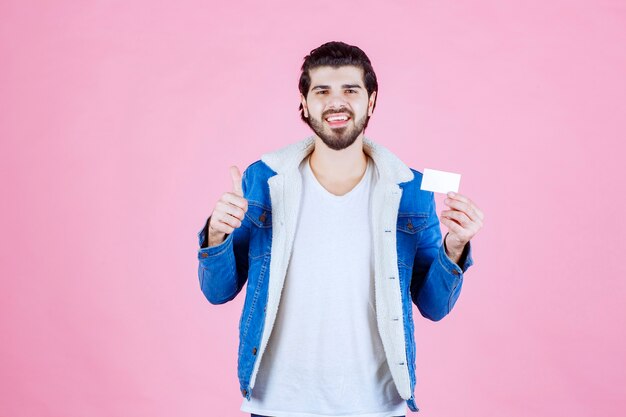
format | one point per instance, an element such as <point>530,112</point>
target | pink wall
<point>118,123</point>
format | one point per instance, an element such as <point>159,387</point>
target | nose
<point>336,100</point>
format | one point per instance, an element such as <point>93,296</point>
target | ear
<point>305,109</point>
<point>370,106</point>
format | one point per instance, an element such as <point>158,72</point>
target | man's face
<point>337,105</point>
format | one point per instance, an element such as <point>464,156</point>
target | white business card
<point>440,181</point>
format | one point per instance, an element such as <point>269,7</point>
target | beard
<point>341,137</point>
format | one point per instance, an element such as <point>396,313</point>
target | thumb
<point>236,176</point>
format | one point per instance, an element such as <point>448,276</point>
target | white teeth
<point>335,118</point>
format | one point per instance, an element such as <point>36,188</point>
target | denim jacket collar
<point>390,167</point>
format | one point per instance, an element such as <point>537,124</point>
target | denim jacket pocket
<point>408,226</point>
<point>260,217</point>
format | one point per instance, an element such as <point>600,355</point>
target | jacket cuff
<point>205,253</point>
<point>451,267</point>
<point>203,234</point>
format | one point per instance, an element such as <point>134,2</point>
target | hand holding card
<point>463,220</point>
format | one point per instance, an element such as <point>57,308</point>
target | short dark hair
<point>337,54</point>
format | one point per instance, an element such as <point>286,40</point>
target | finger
<point>458,216</point>
<point>217,225</point>
<point>460,197</point>
<point>221,227</point>
<point>236,177</point>
<point>227,208</point>
<point>467,228</point>
<point>465,208</point>
<point>227,219</point>
<point>453,226</point>
<point>480,213</point>
<point>235,200</point>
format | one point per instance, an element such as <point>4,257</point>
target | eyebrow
<point>327,87</point>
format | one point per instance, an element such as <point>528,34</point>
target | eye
<point>351,91</point>
<point>321,92</point>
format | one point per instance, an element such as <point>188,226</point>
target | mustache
<point>337,111</point>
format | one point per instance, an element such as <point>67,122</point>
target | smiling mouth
<point>337,120</point>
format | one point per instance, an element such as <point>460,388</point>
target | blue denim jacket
<point>411,265</point>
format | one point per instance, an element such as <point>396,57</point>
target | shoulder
<point>254,179</point>
<point>414,199</point>
<point>258,171</point>
<point>416,182</point>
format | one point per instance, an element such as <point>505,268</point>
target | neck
<point>338,166</point>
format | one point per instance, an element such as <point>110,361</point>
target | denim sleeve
<point>436,280</point>
<point>223,268</point>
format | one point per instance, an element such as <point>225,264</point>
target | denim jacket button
<point>254,351</point>
<point>244,392</point>
<point>204,255</point>
<point>455,272</point>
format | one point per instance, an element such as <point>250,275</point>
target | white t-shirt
<point>325,356</point>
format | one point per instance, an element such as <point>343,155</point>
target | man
<point>335,240</point>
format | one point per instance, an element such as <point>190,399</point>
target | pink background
<point>118,123</point>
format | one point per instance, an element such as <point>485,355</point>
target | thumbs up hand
<point>228,212</point>
<point>236,176</point>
